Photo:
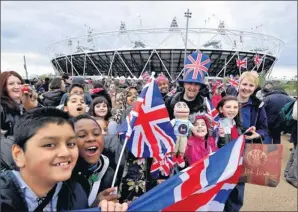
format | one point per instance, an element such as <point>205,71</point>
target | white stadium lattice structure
<point>132,52</point>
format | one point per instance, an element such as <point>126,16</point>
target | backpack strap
<point>46,200</point>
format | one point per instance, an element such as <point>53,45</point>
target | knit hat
<point>161,78</point>
<point>208,121</point>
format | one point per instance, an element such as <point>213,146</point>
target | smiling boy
<point>45,152</point>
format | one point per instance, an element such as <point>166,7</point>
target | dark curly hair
<point>99,100</point>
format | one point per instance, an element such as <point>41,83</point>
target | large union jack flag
<point>241,63</point>
<point>197,63</point>
<point>205,186</point>
<point>147,128</point>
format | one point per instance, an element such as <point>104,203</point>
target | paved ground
<point>281,198</point>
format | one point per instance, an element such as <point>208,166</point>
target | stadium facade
<point>132,52</point>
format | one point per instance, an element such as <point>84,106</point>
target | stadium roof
<point>169,61</point>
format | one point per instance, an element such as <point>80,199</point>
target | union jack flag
<point>198,63</point>
<point>258,60</point>
<point>165,165</point>
<point>216,85</point>
<point>172,92</point>
<point>211,111</point>
<point>233,82</point>
<point>205,186</point>
<point>241,63</point>
<point>147,128</point>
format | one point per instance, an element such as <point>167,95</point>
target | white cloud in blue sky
<point>28,28</point>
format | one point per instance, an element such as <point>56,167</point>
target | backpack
<point>285,116</point>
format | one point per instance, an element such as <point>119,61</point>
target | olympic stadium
<point>130,53</point>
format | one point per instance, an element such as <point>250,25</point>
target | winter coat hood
<point>52,98</point>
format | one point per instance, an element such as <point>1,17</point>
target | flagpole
<point>188,16</point>
<point>118,163</point>
<point>25,67</point>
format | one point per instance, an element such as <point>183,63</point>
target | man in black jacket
<point>53,97</point>
<point>274,101</point>
<point>192,85</point>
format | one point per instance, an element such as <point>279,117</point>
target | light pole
<point>25,67</point>
<point>188,16</point>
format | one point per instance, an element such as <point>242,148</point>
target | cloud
<point>283,71</point>
<point>28,28</point>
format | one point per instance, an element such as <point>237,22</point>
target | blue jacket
<point>258,117</point>
<point>274,102</point>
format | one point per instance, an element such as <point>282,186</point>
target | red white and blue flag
<point>197,63</point>
<point>258,60</point>
<point>164,166</point>
<point>147,128</point>
<point>205,186</point>
<point>211,111</point>
<point>241,63</point>
<point>233,82</point>
<point>172,92</point>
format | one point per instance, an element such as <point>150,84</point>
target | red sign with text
<point>262,164</point>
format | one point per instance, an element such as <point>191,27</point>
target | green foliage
<point>262,80</point>
<point>290,87</point>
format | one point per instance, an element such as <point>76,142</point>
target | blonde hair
<point>251,76</point>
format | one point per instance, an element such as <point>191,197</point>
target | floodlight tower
<point>188,16</point>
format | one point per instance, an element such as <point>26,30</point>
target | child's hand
<point>109,194</point>
<point>221,132</point>
<point>112,206</point>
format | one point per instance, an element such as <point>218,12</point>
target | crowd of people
<point>60,144</point>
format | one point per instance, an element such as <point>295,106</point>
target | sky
<point>29,28</point>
